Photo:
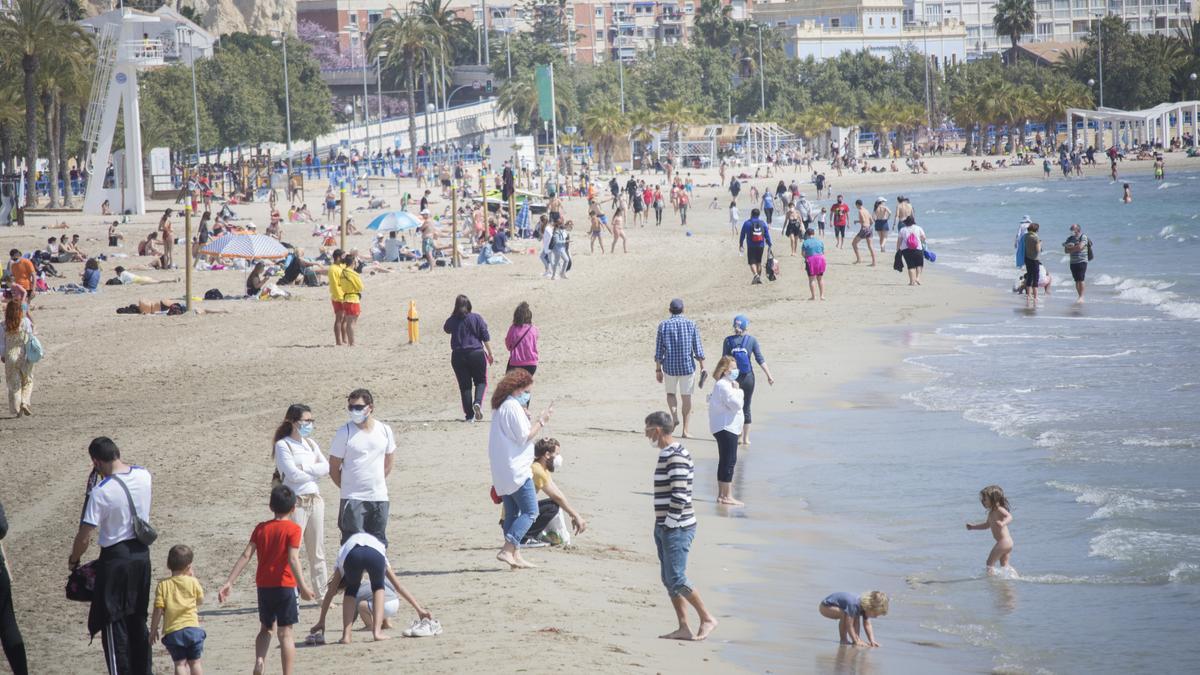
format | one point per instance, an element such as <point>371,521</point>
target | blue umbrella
<point>394,221</point>
<point>522,223</point>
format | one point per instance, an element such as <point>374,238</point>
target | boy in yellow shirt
<point>177,597</point>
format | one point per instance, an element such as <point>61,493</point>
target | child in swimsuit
<point>850,611</point>
<point>998,518</point>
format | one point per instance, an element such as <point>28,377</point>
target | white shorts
<point>684,384</point>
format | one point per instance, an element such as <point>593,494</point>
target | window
<point>354,18</point>
<point>599,12</point>
<point>893,22</point>
<point>834,23</point>
<point>871,21</point>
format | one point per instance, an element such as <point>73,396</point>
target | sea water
<point>1085,415</point>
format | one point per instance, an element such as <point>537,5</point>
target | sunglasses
<point>357,408</point>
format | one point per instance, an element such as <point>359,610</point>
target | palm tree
<point>35,30</point>
<point>967,110</point>
<point>408,41</point>
<point>910,116</point>
<point>604,125</point>
<point>714,23</point>
<point>673,114</point>
<point>64,74</point>
<point>456,33</point>
<point>11,113</point>
<point>1014,18</point>
<point>881,117</point>
<point>1051,106</point>
<point>519,97</point>
<point>642,125</point>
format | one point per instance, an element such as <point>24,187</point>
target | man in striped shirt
<point>675,525</point>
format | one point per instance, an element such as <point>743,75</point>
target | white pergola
<point>1134,127</point>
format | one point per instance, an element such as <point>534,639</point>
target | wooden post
<point>187,255</point>
<point>483,192</point>
<point>512,212</point>
<point>454,257</point>
<point>342,240</point>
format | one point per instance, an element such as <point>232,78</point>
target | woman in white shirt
<point>735,220</point>
<point>510,452</point>
<point>910,242</point>
<point>725,422</point>
<point>299,464</point>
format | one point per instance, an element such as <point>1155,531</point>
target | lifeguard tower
<point>121,49</point>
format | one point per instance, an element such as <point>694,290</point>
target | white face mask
<point>557,463</point>
<point>653,442</point>
<point>359,416</point>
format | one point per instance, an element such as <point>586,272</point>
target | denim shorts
<point>673,545</point>
<point>185,644</point>
<point>278,606</point>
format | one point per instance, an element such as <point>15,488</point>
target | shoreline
<point>153,383</point>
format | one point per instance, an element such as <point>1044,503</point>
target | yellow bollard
<point>414,323</point>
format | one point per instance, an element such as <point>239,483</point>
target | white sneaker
<point>423,628</point>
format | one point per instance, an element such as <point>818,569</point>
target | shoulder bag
<point>142,530</point>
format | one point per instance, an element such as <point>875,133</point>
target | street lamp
<point>1100,54</point>
<point>287,97</point>
<point>379,92</point>
<point>196,100</point>
<point>762,87</point>
<point>349,110</point>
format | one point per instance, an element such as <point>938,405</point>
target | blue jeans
<point>673,544</point>
<point>520,510</point>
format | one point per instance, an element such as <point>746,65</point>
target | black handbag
<point>81,583</point>
<point>142,530</point>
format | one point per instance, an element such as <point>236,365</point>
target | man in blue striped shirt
<point>677,348</point>
<point>675,525</point>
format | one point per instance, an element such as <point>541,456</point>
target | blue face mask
<point>523,398</point>
<point>306,429</point>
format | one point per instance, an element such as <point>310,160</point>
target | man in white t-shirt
<point>121,600</point>
<point>360,459</point>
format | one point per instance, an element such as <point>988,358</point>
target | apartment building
<point>1059,20</point>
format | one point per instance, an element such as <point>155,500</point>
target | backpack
<point>772,268</point>
<point>558,239</point>
<point>741,356</point>
<point>1091,256</point>
<point>757,233</point>
<point>912,242</point>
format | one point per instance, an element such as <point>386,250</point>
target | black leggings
<point>364,560</point>
<point>470,368</point>
<point>727,445</point>
<point>746,383</point>
<point>10,635</point>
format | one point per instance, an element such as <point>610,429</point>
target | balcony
<point>143,52</point>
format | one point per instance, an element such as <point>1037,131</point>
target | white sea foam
<point>1164,185</point>
<point>988,264</point>
<point>1126,544</point>
<point>1154,293</point>
<point>1126,352</point>
<point>1030,189</point>
<point>1142,442</point>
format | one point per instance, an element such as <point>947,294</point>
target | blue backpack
<point>736,346</point>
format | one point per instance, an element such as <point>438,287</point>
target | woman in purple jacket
<point>470,355</point>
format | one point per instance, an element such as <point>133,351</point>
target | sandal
<point>314,639</point>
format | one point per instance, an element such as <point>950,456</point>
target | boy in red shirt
<point>277,542</point>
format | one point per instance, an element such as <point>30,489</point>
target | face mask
<point>733,373</point>
<point>523,398</point>
<point>557,463</point>
<point>653,442</point>
<point>359,416</point>
<point>306,429</point>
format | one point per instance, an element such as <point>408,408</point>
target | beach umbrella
<point>394,221</point>
<point>250,246</point>
<point>522,223</point>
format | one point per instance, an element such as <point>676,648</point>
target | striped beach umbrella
<point>249,246</point>
<point>394,221</point>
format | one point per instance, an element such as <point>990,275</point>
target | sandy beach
<point>195,399</point>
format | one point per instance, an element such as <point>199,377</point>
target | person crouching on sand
<point>850,610</point>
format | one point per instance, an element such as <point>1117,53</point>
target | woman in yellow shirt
<point>351,287</point>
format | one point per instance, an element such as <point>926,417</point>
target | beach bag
<point>143,531</point>
<point>929,255</point>
<point>1091,256</point>
<point>81,583</point>
<point>33,349</point>
<point>772,268</point>
<point>912,241</point>
<point>213,294</point>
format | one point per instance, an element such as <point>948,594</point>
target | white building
<point>1062,20</point>
<point>825,28</point>
<point>182,41</point>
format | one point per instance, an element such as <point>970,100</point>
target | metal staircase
<point>106,57</point>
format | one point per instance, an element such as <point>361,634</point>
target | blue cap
<point>740,322</point>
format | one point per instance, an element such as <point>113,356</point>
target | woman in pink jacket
<point>521,341</point>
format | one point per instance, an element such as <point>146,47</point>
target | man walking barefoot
<point>677,348</point>
<point>675,525</point>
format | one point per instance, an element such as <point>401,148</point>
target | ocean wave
<point>1126,502</point>
<point>1165,184</point>
<point>1126,352</point>
<point>1154,293</point>
<point>1186,386</point>
<point>1030,189</point>
<point>1142,442</point>
<point>988,264</point>
<point>1127,545</point>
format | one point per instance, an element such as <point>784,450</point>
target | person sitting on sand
<point>105,209</point>
<point>257,282</point>
<point>364,555</point>
<point>115,238</point>
<point>149,247</point>
<point>850,611</point>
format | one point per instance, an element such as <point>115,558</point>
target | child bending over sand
<point>850,610</point>
<point>993,499</point>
